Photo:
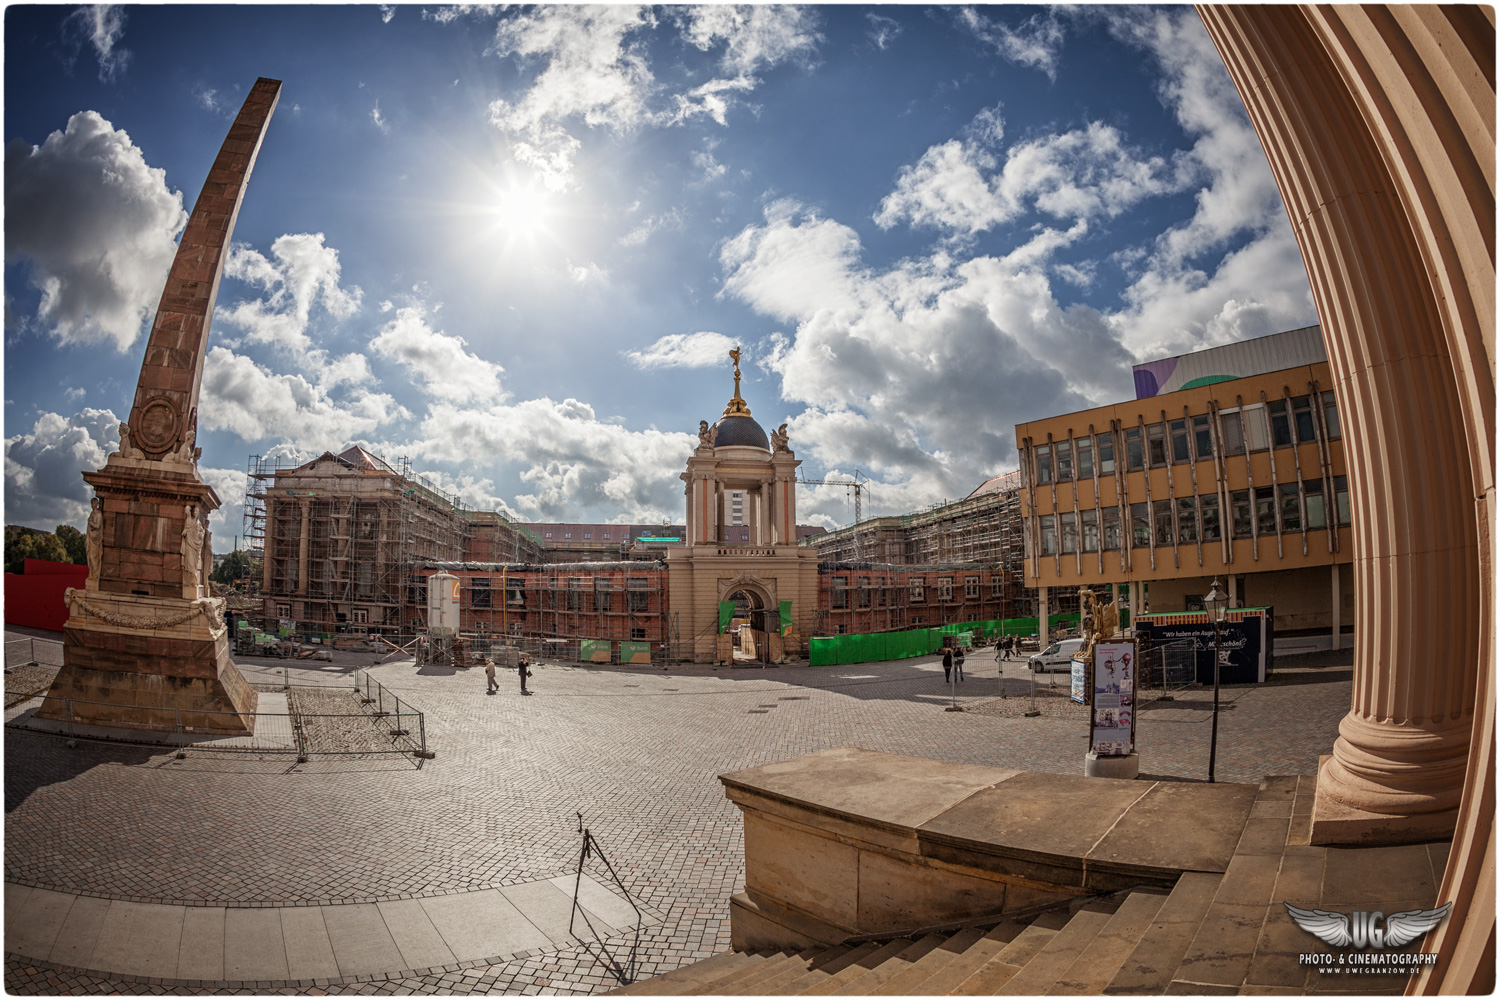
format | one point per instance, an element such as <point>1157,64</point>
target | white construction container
<point>442,605</point>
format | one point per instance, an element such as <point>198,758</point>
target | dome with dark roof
<point>740,431</point>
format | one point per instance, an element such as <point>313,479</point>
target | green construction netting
<point>635,652</point>
<point>593,650</point>
<point>786,616</point>
<point>726,614</point>
<point>834,650</point>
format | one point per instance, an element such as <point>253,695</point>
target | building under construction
<point>337,538</point>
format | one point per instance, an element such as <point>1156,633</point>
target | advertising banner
<point>1243,646</point>
<point>1079,691</point>
<point>1114,699</point>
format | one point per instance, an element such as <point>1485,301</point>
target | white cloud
<point>571,459</point>
<point>754,36</point>
<point>588,274</point>
<point>229,520</point>
<point>209,98</point>
<point>44,485</point>
<point>100,26</point>
<point>445,368</point>
<point>1035,42</point>
<point>883,30</point>
<point>684,350</point>
<point>672,219</point>
<point>248,400</point>
<point>379,119</point>
<point>304,273</point>
<point>97,227</point>
<point>387,11</point>
<point>711,168</point>
<point>452,12</point>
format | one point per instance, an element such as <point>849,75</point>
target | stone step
<point>834,961</point>
<point>858,968</point>
<point>677,981</point>
<point>1093,969</point>
<point>905,983</point>
<point>713,987</point>
<point>892,966</point>
<point>816,957</point>
<point>973,958</point>
<point>1057,954</point>
<point>749,981</point>
<point>1153,962</point>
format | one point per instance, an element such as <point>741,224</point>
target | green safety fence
<point>635,652</point>
<point>836,650</point>
<point>726,614</point>
<point>593,650</point>
<point>786,616</point>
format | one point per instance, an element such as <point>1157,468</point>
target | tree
<point>29,543</point>
<point>235,567</point>
<point>73,542</point>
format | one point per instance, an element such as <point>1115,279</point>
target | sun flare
<point>521,209</point>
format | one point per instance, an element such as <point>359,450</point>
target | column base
<point>1335,822</point>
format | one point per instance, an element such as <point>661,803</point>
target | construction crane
<point>855,484</point>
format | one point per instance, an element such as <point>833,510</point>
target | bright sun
<point>521,210</point>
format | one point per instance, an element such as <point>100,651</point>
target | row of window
<point>916,590</point>
<point>1255,427</point>
<point>1255,512</point>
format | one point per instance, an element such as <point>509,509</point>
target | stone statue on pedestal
<point>93,539</point>
<point>192,553</point>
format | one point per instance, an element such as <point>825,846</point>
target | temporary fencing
<point>871,647</point>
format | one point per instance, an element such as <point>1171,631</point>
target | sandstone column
<point>141,648</point>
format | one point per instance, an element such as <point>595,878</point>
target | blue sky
<point>515,244</point>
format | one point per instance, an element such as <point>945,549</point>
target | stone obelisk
<point>145,646</point>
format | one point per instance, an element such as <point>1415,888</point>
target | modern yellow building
<point>1239,474</point>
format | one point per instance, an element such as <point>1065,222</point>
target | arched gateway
<point>741,541</point>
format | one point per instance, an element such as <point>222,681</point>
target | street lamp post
<point>1217,603</point>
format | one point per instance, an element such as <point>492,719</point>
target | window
<point>360,616</point>
<point>864,592</point>
<point>1106,454</point>
<point>1179,432</point>
<point>1090,522</point>
<point>575,595</point>
<point>1291,507</point>
<point>997,584</point>
<point>604,537</point>
<point>1049,535</point>
<point>480,589</point>
<point>1140,525</point>
<point>1257,438</point>
<point>1162,515</point>
<point>1187,520</point>
<point>1281,426</point>
<point>548,534</point>
<point>1331,417</point>
<point>601,595</point>
<point>1156,444</point>
<point>1043,464</point>
<point>1208,509</point>
<point>1069,531</point>
<point>1341,497</point>
<point>416,591</point>
<point>567,534</point>
<point>1085,450</point>
<point>637,594</point>
<point>285,610</point>
<point>1203,438</point>
<point>918,591</point>
<point>1135,456</point>
<point>839,596</point>
<point>945,588</point>
<point>1233,431</point>
<point>1112,529</point>
<point>1265,510</point>
<point>1064,461</point>
<point>971,588</point>
<point>515,593</point>
<point>1302,420</point>
<point>1239,514</point>
<point>1317,514</point>
<point>637,633</point>
<point>744,536</point>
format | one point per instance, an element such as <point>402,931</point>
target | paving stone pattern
<point>636,749</point>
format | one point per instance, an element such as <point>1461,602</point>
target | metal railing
<point>623,971</point>
<point>1166,667</point>
<point>28,651</point>
<point>383,703</point>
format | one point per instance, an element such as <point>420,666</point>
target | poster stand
<point>1110,684</point>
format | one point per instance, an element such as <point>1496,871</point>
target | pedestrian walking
<point>1000,649</point>
<point>947,665</point>
<point>489,675</point>
<point>525,673</point>
<point>958,662</point>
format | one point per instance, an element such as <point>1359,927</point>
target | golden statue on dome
<point>737,406</point>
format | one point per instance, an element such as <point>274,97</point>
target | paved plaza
<point>493,817</point>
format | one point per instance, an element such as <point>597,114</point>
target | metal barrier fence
<point>378,697</point>
<point>27,651</point>
<point>1166,667</point>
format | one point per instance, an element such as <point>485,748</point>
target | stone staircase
<point>1213,934</point>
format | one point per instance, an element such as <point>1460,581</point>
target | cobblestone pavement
<point>635,749</point>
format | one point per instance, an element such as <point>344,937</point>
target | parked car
<point>1058,656</point>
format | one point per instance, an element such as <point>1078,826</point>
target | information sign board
<point>1114,699</point>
